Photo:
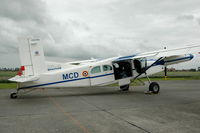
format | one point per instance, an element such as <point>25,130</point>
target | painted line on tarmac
<point>68,115</point>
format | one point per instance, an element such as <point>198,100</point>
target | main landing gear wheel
<point>13,95</point>
<point>154,87</point>
<point>124,87</point>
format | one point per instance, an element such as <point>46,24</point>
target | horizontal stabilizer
<point>23,79</point>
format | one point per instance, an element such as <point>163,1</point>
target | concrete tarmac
<point>176,109</point>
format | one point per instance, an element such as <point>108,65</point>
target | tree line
<point>9,69</point>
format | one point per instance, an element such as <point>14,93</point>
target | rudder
<point>32,56</point>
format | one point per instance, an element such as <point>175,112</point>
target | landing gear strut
<point>153,86</point>
<point>14,95</point>
<point>20,92</point>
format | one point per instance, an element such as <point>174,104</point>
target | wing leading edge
<point>164,53</point>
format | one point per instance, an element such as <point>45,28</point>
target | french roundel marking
<point>85,73</point>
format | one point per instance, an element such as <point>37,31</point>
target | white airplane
<point>36,73</point>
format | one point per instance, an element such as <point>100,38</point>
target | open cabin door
<point>140,65</point>
<point>123,71</point>
<point>101,75</point>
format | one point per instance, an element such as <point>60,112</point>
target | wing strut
<point>144,71</point>
<point>153,86</point>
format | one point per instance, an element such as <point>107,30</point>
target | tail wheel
<point>154,87</point>
<point>124,87</point>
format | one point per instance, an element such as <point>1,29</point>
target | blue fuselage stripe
<point>58,82</point>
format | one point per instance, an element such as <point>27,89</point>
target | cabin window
<point>107,68</point>
<point>96,69</point>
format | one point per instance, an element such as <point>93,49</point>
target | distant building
<point>171,69</point>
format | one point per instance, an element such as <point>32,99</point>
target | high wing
<point>164,53</point>
<point>171,52</point>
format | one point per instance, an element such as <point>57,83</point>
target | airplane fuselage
<point>99,73</point>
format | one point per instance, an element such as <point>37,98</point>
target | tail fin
<point>32,56</point>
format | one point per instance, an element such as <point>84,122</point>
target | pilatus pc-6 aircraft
<point>36,73</point>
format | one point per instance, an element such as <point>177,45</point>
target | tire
<point>124,88</point>
<point>154,87</point>
<point>13,95</point>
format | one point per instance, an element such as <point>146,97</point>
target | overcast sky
<point>81,29</point>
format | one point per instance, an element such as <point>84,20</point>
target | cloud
<point>198,20</point>
<point>23,10</point>
<point>186,17</point>
<point>98,29</point>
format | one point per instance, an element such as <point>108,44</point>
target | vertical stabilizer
<point>32,56</point>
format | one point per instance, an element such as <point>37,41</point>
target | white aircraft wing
<point>164,53</point>
<point>171,52</point>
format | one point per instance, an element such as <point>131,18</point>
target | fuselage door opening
<point>140,65</point>
<point>122,69</point>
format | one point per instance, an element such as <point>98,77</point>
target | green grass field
<point>8,85</point>
<point>170,76</point>
<point>5,75</point>
<point>177,75</point>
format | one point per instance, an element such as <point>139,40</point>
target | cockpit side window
<point>96,69</point>
<point>107,68</point>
